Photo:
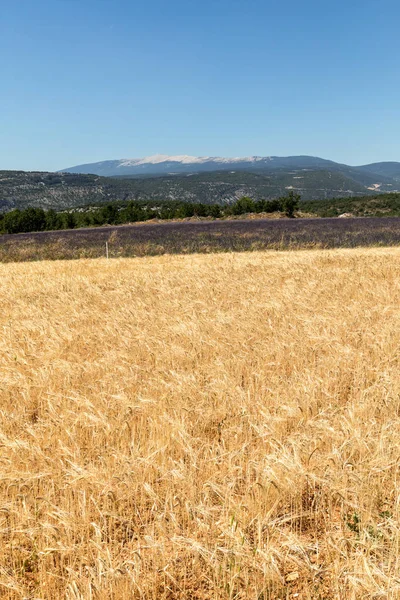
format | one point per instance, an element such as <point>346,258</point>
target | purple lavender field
<point>204,236</point>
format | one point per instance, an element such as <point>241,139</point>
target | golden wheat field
<point>201,427</point>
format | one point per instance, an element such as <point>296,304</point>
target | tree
<point>53,220</point>
<point>86,219</point>
<point>12,221</point>
<point>185,210</point>
<point>24,221</point>
<point>201,210</point>
<point>109,214</point>
<point>215,211</point>
<point>69,220</point>
<point>133,212</point>
<point>290,203</point>
<point>242,206</point>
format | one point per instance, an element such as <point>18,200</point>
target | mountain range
<point>193,179</point>
<point>161,164</point>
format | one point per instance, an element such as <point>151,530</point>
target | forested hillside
<point>65,191</point>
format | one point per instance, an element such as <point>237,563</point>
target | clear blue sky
<point>89,80</point>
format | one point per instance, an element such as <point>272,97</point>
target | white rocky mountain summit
<point>186,160</point>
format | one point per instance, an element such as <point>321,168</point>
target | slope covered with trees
<point>65,191</point>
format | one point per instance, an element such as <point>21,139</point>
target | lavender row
<point>203,236</point>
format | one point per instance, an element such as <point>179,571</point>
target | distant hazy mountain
<point>162,164</point>
<point>378,176</point>
<point>387,169</point>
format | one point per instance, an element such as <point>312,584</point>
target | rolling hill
<point>207,180</point>
<point>385,169</point>
<point>61,191</point>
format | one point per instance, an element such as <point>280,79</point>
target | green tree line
<point>116,213</point>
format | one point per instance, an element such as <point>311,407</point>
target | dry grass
<point>201,427</point>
